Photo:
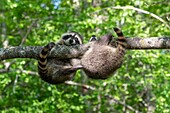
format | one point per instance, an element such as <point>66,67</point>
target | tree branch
<point>79,84</point>
<point>61,51</point>
<point>149,43</point>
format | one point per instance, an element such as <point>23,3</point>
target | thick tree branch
<point>62,51</point>
<point>149,43</point>
<point>59,52</point>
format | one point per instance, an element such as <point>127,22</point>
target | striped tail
<point>121,39</point>
<point>42,62</point>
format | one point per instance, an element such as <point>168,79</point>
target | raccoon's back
<point>100,62</point>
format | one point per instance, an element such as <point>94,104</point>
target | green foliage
<point>142,81</point>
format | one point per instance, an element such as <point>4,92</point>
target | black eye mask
<point>66,37</point>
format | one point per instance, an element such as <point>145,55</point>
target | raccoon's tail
<point>121,39</point>
<point>42,62</point>
<point>121,43</point>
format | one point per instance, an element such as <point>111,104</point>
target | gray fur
<point>56,71</point>
<point>102,60</point>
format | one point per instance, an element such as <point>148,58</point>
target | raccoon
<point>55,71</point>
<point>102,59</point>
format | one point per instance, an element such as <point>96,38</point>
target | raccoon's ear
<point>93,38</point>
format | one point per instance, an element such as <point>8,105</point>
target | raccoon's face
<point>72,38</point>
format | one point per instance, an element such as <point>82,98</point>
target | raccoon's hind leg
<point>70,69</point>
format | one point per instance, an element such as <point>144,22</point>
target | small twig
<point>28,31</point>
<point>23,71</point>
<point>78,84</point>
<point>136,9</point>
<point>3,71</point>
<point>15,82</point>
<point>111,98</point>
<point>29,72</point>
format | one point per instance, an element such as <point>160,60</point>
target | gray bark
<point>62,51</point>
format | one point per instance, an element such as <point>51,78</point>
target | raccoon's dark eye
<point>71,42</point>
<point>66,37</point>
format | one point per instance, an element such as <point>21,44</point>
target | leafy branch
<point>138,10</point>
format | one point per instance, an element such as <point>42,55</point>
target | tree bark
<point>149,43</point>
<point>62,51</point>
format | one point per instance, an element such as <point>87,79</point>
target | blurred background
<point>142,84</point>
